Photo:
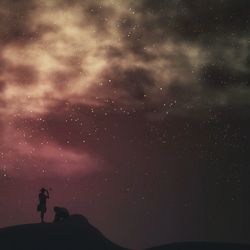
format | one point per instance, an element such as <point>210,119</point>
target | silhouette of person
<point>61,213</point>
<point>43,196</point>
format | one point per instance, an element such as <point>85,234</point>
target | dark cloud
<point>2,86</point>
<point>94,13</point>
<point>82,129</point>
<point>192,20</point>
<point>124,85</point>
<point>99,15</point>
<point>152,34</point>
<point>16,19</point>
<point>113,52</point>
<point>133,33</point>
<point>218,29</point>
<point>222,77</point>
<point>3,64</point>
<point>134,81</point>
<point>23,74</point>
<point>64,80</point>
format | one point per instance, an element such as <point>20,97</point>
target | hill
<point>72,234</point>
<point>202,246</point>
<point>76,233</point>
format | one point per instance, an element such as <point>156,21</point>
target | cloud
<point>16,19</point>
<point>165,43</point>
<point>192,21</point>
<point>2,86</point>
<point>23,156</point>
<point>113,59</point>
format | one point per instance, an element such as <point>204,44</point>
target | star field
<point>134,113</point>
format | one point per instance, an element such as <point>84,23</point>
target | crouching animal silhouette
<point>61,213</point>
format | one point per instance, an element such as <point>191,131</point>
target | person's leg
<point>42,216</point>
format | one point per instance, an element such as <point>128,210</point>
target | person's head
<point>42,190</point>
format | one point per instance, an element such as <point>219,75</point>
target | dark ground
<point>202,246</point>
<point>75,233</point>
<point>72,233</point>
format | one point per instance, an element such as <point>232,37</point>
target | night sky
<point>135,113</point>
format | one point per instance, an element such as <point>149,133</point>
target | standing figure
<point>43,196</point>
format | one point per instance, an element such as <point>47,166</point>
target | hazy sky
<point>135,113</point>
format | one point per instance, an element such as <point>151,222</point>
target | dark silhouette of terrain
<point>73,233</point>
<point>202,246</point>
